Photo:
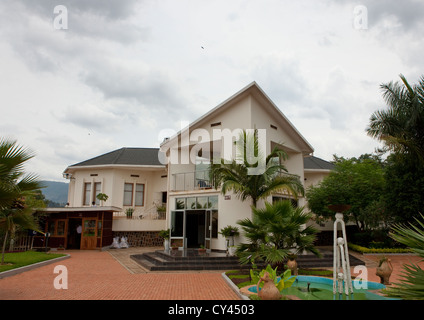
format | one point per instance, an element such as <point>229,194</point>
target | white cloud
<point>125,70</point>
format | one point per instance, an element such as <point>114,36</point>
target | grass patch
<point>315,272</point>
<point>20,259</point>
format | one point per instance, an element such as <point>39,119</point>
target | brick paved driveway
<point>95,275</point>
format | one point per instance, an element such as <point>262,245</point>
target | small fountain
<point>341,265</point>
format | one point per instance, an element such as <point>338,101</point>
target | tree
<point>234,175</point>
<point>358,182</point>
<point>274,232</point>
<point>401,126</point>
<point>17,216</point>
<point>403,194</point>
<point>15,186</point>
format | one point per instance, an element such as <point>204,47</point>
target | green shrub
<point>361,249</point>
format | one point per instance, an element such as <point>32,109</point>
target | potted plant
<point>232,250</point>
<point>102,197</point>
<point>129,213</point>
<point>229,232</point>
<point>161,210</point>
<point>164,234</point>
<point>202,249</point>
<point>174,246</point>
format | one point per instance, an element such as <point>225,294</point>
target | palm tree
<point>411,287</point>
<point>401,126</point>
<point>15,185</point>
<point>236,175</point>
<point>17,216</point>
<point>274,232</point>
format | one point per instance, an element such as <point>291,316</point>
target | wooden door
<point>89,234</point>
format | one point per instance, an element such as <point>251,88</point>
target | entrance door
<point>74,233</point>
<point>208,229</point>
<point>195,228</point>
<point>89,234</point>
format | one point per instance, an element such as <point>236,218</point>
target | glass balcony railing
<point>187,181</point>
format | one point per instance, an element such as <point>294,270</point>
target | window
<point>128,194</point>
<point>97,190</point>
<point>60,230</point>
<point>180,203</point>
<point>139,194</point>
<point>99,228</point>
<point>57,227</point>
<point>87,193</point>
<point>293,201</point>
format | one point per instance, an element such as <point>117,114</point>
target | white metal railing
<point>187,181</point>
<point>151,213</point>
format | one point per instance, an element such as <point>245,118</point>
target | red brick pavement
<point>95,275</point>
<point>397,261</point>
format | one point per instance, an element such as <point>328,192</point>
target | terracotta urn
<point>269,291</point>
<point>384,271</point>
<point>292,265</point>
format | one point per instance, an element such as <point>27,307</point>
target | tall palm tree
<point>236,176</point>
<point>401,126</point>
<point>15,185</point>
<point>275,231</point>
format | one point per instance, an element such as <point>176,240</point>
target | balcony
<point>150,219</point>
<point>189,181</point>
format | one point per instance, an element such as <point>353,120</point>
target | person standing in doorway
<point>79,230</point>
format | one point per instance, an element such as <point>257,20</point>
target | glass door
<point>177,228</point>
<point>208,229</point>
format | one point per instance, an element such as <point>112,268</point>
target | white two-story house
<point>141,182</point>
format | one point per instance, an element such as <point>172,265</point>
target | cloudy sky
<point>121,73</point>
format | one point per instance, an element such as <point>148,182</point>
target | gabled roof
<point>314,163</point>
<point>149,157</point>
<point>255,90</point>
<point>124,156</point>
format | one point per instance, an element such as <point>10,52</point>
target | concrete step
<point>154,262</point>
<point>191,260</point>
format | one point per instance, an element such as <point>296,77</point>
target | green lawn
<point>20,259</point>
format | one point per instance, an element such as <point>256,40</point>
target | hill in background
<point>55,192</point>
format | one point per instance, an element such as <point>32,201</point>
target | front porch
<point>76,228</point>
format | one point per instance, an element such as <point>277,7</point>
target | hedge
<point>361,249</point>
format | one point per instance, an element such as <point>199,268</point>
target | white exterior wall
<point>112,183</point>
<point>244,113</point>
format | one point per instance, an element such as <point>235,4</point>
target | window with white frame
<point>128,194</point>
<point>133,194</point>
<point>87,194</point>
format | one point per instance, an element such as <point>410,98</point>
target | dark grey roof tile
<point>129,156</point>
